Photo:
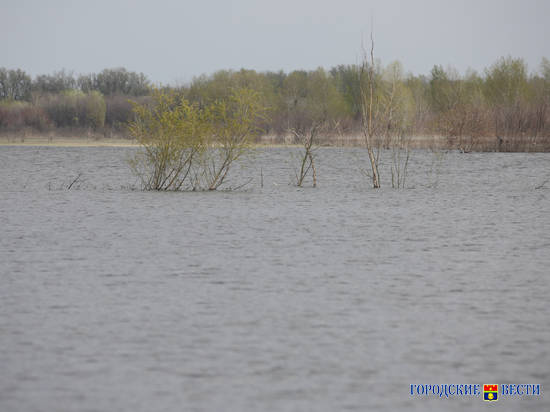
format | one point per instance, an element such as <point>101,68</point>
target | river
<point>272,297</point>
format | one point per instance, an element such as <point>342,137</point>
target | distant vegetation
<point>506,107</point>
<point>93,102</point>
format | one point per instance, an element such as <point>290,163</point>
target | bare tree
<point>387,117</point>
<point>307,138</point>
<point>369,112</point>
<point>399,123</point>
<point>310,119</point>
<point>400,161</point>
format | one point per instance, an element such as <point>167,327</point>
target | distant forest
<point>505,101</point>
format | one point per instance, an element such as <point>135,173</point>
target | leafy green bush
<point>171,132</point>
<point>189,147</point>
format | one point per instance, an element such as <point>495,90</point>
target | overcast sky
<point>173,40</point>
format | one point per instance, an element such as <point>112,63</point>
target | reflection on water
<point>272,298</point>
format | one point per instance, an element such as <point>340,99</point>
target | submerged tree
<point>308,139</point>
<point>370,112</point>
<point>232,125</point>
<point>188,147</point>
<point>385,116</point>
<point>312,110</point>
<point>399,123</point>
<point>171,131</point>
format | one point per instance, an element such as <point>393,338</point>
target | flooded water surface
<point>272,297</point>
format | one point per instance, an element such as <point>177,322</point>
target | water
<point>273,297</point>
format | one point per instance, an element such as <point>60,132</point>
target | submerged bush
<point>232,125</point>
<point>171,132</point>
<point>187,147</point>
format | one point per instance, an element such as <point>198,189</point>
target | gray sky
<point>173,40</point>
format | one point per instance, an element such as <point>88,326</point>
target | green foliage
<point>506,82</point>
<point>504,100</point>
<point>189,147</point>
<point>92,110</point>
<point>458,103</point>
<point>172,133</point>
<point>312,99</point>
<point>346,80</point>
<point>418,87</point>
<point>398,98</point>
<point>544,79</point>
<point>440,90</point>
<point>506,89</point>
<point>323,99</point>
<point>232,124</point>
<point>392,106</point>
<point>205,90</point>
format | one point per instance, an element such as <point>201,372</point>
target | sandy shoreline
<point>83,141</point>
<point>66,142</point>
<point>93,142</point>
<point>415,142</point>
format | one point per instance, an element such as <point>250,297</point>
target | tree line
<point>506,106</point>
<point>17,85</point>
<point>96,101</point>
